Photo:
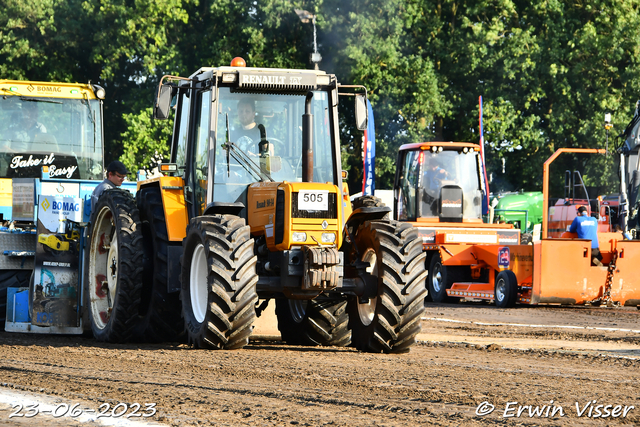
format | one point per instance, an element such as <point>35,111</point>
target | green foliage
<point>547,71</point>
<point>145,140</point>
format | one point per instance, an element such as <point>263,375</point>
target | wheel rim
<point>367,311</point>
<point>298,309</point>
<point>436,278</point>
<point>198,283</point>
<point>103,268</point>
<point>500,290</point>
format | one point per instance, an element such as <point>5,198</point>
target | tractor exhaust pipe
<point>307,140</point>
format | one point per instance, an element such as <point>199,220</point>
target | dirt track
<point>459,363</point>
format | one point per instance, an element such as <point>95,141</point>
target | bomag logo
<point>45,204</point>
<point>49,89</point>
<point>264,204</point>
<point>452,203</point>
<point>66,206</point>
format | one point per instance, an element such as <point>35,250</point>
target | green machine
<point>523,210</point>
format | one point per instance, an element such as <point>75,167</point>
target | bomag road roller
<point>252,208</point>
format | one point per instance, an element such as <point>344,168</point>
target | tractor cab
<point>56,125</point>
<point>439,182</point>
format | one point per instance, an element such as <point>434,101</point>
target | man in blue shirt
<point>587,228</point>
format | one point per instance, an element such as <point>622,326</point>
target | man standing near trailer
<point>116,173</point>
<point>587,228</point>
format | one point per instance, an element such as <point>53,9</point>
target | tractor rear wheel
<point>160,311</point>
<point>506,289</point>
<point>389,321</point>
<point>314,322</point>
<point>218,281</point>
<point>10,279</point>
<point>367,202</point>
<point>114,273</point>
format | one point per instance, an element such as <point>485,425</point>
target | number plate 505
<point>313,200</point>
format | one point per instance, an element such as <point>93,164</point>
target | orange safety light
<point>421,157</point>
<point>168,167</point>
<point>238,62</point>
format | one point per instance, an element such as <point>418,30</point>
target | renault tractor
<point>250,211</point>
<point>438,188</point>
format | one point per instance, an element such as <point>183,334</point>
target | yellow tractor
<point>252,208</point>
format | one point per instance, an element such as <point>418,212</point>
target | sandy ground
<point>474,365</point>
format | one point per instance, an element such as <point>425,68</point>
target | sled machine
<point>438,189</point>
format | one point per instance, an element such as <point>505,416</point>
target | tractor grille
<point>332,213</point>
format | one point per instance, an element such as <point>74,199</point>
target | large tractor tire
<point>10,279</point>
<point>218,280</point>
<point>114,273</point>
<point>367,202</point>
<point>314,322</point>
<point>390,321</point>
<point>160,311</point>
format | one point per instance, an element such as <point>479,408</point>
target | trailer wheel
<point>160,311</point>
<point>114,273</point>
<point>11,279</point>
<point>506,289</point>
<point>314,322</point>
<point>218,281</point>
<point>389,321</point>
<point>438,281</point>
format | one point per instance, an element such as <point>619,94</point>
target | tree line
<point>548,71</point>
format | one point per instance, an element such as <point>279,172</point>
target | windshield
<point>281,118</point>
<point>425,173</point>
<point>64,134</point>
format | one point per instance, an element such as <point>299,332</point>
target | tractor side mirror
<point>361,112</point>
<point>163,102</point>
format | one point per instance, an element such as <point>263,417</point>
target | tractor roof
<point>46,89</point>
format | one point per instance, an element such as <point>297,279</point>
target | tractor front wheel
<point>389,320</point>
<point>218,282</point>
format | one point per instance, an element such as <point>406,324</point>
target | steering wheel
<point>278,146</point>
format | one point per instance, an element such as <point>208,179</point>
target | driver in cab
<point>247,136</point>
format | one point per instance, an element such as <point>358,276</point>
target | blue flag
<point>369,156</point>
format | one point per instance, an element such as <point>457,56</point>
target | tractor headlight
<point>299,237</point>
<point>328,237</point>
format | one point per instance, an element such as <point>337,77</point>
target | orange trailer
<point>553,270</point>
